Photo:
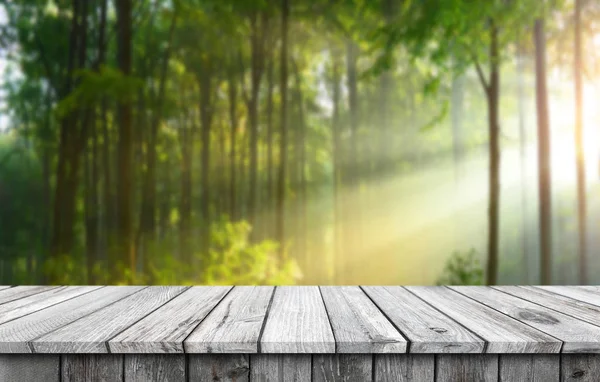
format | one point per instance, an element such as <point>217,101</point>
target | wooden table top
<point>299,319</point>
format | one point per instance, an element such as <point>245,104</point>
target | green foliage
<point>462,269</point>
<point>232,260</point>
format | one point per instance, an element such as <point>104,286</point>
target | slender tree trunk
<point>337,176</point>
<point>185,206</point>
<point>257,40</point>
<point>352,230</point>
<point>108,195</point>
<point>493,98</point>
<point>523,160</point>
<point>579,150</point>
<point>270,170</point>
<point>283,159</point>
<point>92,206</point>
<point>458,149</point>
<point>125,147</point>
<point>233,120</point>
<point>543,155</point>
<point>204,82</point>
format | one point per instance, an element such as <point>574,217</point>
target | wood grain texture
<point>502,334</point>
<point>466,368</point>
<point>342,367</point>
<point>578,336</point>
<point>581,293</point>
<point>91,333</point>
<point>15,293</point>
<point>404,367</point>
<point>24,306</point>
<point>234,325</point>
<point>154,367</point>
<point>297,323</point>
<point>427,329</point>
<point>16,335</point>
<point>580,367</point>
<point>29,368</point>
<point>280,367</point>
<point>529,368</point>
<point>219,367</point>
<point>358,326</point>
<point>92,367</point>
<point>559,303</point>
<point>164,330</point>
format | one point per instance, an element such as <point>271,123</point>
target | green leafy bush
<point>462,269</point>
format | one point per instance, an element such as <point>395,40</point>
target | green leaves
<point>94,86</point>
<point>462,269</point>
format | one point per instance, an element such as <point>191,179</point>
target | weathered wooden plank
<point>5,286</point>
<point>91,333</point>
<point>577,292</point>
<point>529,368</point>
<point>358,326</point>
<point>578,336</point>
<point>280,367</point>
<point>219,367</point>
<point>154,367</point>
<point>580,367</point>
<point>563,304</point>
<point>427,329</point>
<point>404,367</point>
<point>16,335</point>
<point>234,325</point>
<point>466,367</point>
<point>92,367</point>
<point>24,306</point>
<point>164,330</point>
<point>15,293</point>
<point>502,334</point>
<point>342,367</point>
<point>297,323</point>
<point>29,368</point>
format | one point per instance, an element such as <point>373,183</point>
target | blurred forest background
<point>299,141</point>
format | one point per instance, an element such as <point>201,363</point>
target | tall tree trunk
<point>269,197</point>
<point>300,175</point>
<point>523,159</point>
<point>337,162</point>
<point>493,100</point>
<point>283,159</point>
<point>579,150</point>
<point>458,149</point>
<point>233,120</point>
<point>543,155</point>
<point>257,41</point>
<point>147,233</point>
<point>92,206</point>
<point>352,230</point>
<point>204,82</point>
<point>187,131</point>
<point>125,147</point>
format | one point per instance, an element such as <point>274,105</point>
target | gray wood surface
<point>578,336</point>
<point>404,367</point>
<point>29,368</point>
<point>581,293</point>
<point>427,329</point>
<point>234,325</point>
<point>342,367</point>
<point>91,333</point>
<point>17,292</point>
<point>16,335</point>
<point>164,330</point>
<point>358,326</point>
<point>529,368</point>
<point>559,303</point>
<point>280,367</point>
<point>154,367</point>
<point>91,367</point>
<point>502,334</point>
<point>297,323</point>
<point>219,367</point>
<point>466,368</point>
<point>580,367</point>
<point>23,306</point>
